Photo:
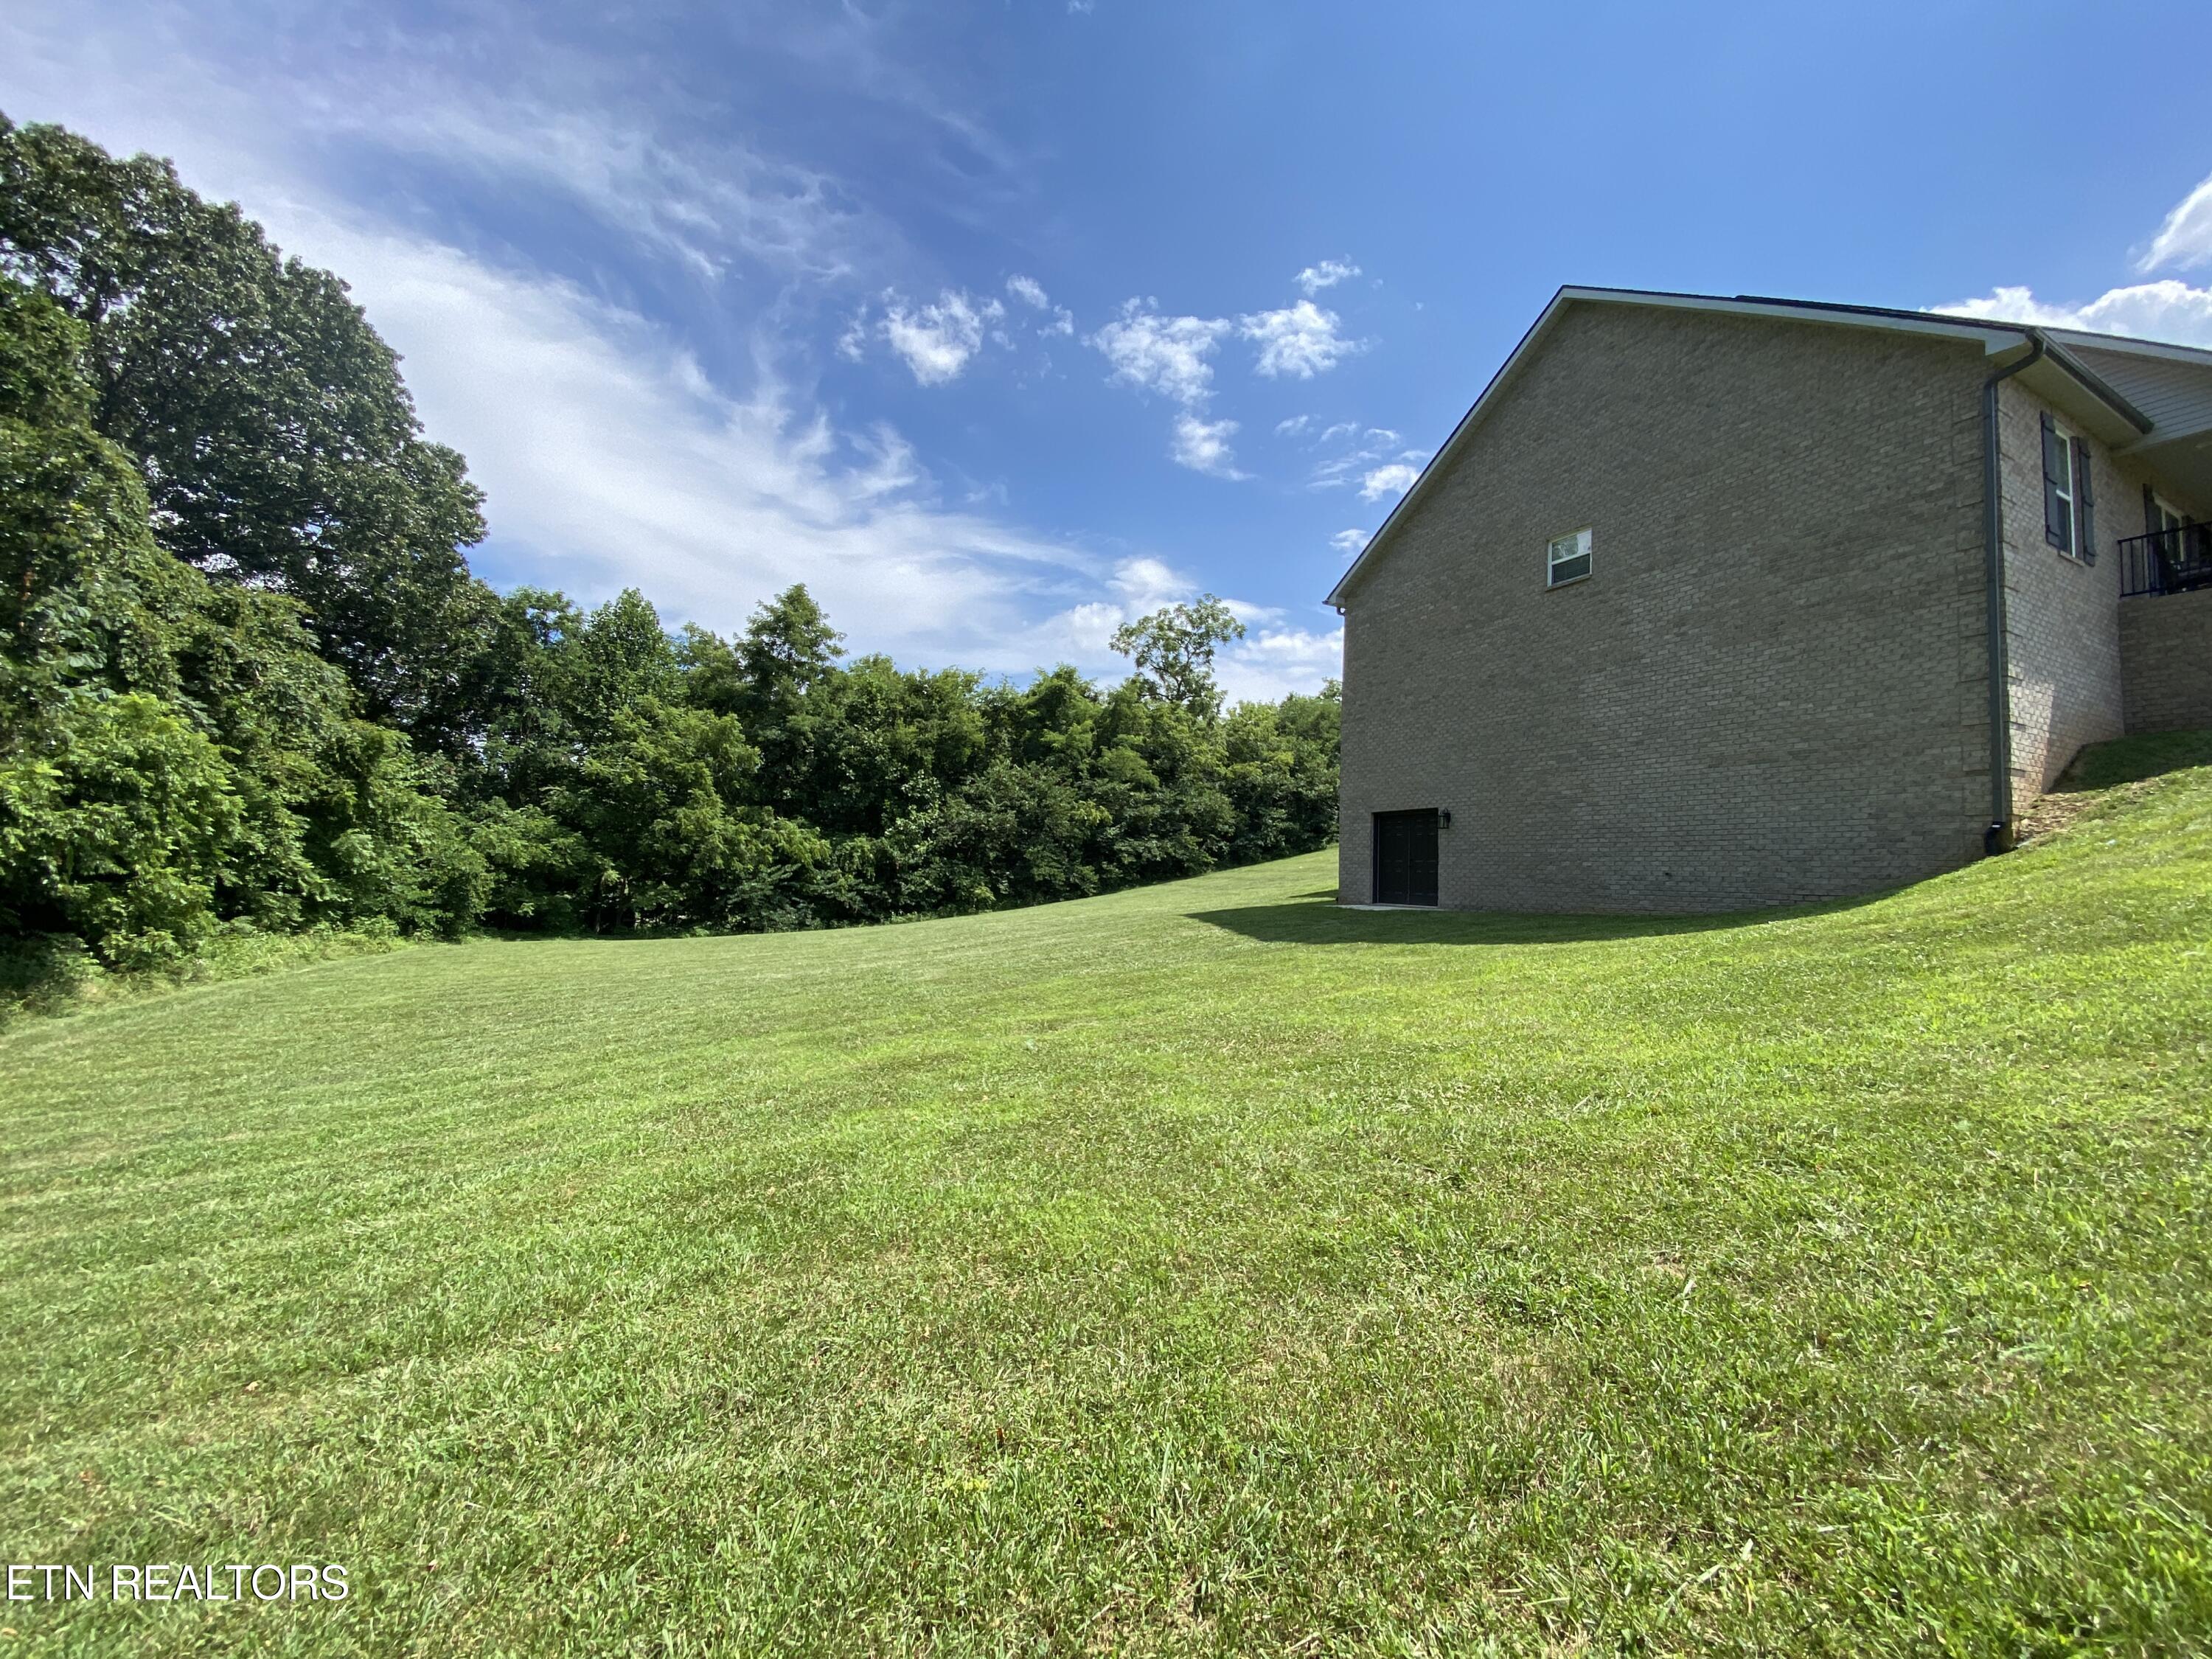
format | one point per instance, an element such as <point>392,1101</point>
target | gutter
<point>1998,837</point>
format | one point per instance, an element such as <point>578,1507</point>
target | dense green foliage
<point>250,682</point>
<point>1203,1268</point>
<point>172,750</point>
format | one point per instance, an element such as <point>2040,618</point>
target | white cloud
<point>710,208</point>
<point>1166,354</point>
<point>1030,292</point>
<point>1170,356</point>
<point>2168,309</point>
<point>1203,445</point>
<point>1300,340</point>
<point>622,465</point>
<point>1173,356</point>
<point>1396,479</point>
<point>1327,274</point>
<point>1270,664</point>
<point>1373,458</point>
<point>2165,310</point>
<point>1252,615</point>
<point>2185,239</point>
<point>1147,584</point>
<point>554,123</point>
<point>938,340</point>
<point>1348,541</point>
<point>1083,633</point>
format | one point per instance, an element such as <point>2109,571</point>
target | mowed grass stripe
<point>1198,1268</point>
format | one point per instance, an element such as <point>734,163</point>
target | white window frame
<point>1578,545</point>
<point>2071,494</point>
<point>2170,516</point>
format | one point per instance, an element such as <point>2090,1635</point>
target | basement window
<point>1567,559</point>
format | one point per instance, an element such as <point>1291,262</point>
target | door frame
<point>1435,816</point>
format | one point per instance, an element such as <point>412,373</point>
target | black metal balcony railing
<point>2172,561</point>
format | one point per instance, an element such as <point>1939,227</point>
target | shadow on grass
<point>1316,922</point>
<point>2131,760</point>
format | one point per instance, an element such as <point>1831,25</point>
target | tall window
<point>2069,509</point>
<point>1568,559</point>
<point>2058,527</point>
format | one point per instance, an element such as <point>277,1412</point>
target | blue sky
<point>998,322</point>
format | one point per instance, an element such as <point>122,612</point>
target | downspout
<point>1997,838</point>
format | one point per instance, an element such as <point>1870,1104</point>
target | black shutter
<point>2150,512</point>
<point>2085,502</point>
<point>2054,526</point>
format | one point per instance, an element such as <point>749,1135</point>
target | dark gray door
<point>1406,857</point>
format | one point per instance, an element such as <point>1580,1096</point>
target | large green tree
<point>277,443</point>
<point>174,753</point>
<point>1173,650</point>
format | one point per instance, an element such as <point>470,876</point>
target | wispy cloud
<point>1030,292</point>
<point>1203,445</point>
<point>937,340</point>
<point>1348,541</point>
<point>1392,480</point>
<point>1375,459</point>
<point>712,205</point>
<point>625,466</point>
<point>1300,340</point>
<point>1327,274</point>
<point>2185,240</point>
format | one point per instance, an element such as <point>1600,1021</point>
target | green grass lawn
<point>1200,1268</point>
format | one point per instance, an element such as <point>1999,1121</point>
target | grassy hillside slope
<point>1201,1268</point>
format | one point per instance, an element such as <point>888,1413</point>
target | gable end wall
<point>1773,688</point>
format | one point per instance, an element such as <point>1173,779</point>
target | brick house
<point>1703,604</point>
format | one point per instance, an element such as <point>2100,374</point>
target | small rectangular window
<point>1568,559</point>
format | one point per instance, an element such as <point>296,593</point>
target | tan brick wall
<point>2062,616</point>
<point>2166,646</point>
<point>1773,687</point>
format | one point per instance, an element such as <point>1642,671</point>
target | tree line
<point>247,680</point>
